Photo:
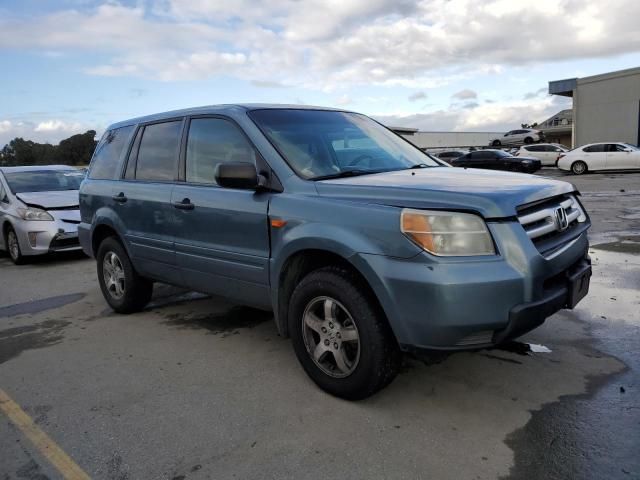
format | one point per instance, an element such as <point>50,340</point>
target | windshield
<point>632,147</point>
<point>44,180</point>
<point>319,144</point>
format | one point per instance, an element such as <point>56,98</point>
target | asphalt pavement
<point>195,387</point>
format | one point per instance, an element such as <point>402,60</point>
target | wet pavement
<point>195,387</point>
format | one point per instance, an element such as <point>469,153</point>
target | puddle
<point>19,339</point>
<point>37,306</point>
<point>624,244</point>
<point>593,435</point>
<point>227,323</point>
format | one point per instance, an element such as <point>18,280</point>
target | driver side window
<point>213,141</point>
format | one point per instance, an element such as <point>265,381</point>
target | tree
<point>527,125</point>
<point>75,150</point>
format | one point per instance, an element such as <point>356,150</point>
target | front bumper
<point>474,302</point>
<point>42,237</point>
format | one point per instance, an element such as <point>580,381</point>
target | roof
<point>217,109</point>
<point>36,168</point>
<point>567,86</point>
<point>563,87</point>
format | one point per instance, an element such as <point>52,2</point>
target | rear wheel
<point>13,247</point>
<point>579,167</point>
<point>124,290</point>
<point>340,335</point>
<point>528,140</point>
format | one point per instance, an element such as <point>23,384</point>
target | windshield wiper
<point>346,173</point>
<point>419,165</point>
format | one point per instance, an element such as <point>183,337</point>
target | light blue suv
<point>361,245</point>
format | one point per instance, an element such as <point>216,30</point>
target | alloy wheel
<point>113,274</point>
<point>14,248</point>
<point>331,337</point>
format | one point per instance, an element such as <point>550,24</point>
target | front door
<point>221,234</point>
<point>621,157</point>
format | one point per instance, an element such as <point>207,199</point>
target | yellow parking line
<point>63,463</point>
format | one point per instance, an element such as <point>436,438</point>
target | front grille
<point>62,243</point>
<point>543,222</point>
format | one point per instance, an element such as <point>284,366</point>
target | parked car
<point>524,135</point>
<point>449,155</point>
<point>600,156</point>
<point>547,153</point>
<point>39,210</point>
<point>497,160</point>
<point>361,245</point>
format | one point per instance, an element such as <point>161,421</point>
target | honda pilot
<point>361,245</point>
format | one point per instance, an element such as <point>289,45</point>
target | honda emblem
<point>561,219</point>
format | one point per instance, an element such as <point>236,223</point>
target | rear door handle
<point>185,204</point>
<point>120,198</point>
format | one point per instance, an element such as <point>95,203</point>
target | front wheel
<point>341,336</point>
<point>124,290</point>
<point>13,247</point>
<point>579,167</point>
<point>496,143</point>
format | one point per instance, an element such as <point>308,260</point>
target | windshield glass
<point>44,180</point>
<point>502,153</point>
<point>317,143</point>
<point>632,147</point>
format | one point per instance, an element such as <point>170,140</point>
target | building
<point>558,128</point>
<point>605,107</point>
<point>437,141</point>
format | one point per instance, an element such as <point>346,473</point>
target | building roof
<point>567,86</point>
<point>564,118</point>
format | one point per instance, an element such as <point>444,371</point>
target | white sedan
<point>547,153</point>
<point>518,137</point>
<point>600,156</point>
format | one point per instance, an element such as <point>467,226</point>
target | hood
<point>491,193</point>
<point>46,200</point>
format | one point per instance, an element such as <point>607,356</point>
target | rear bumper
<point>474,302</point>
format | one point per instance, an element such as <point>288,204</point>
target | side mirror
<point>238,175</point>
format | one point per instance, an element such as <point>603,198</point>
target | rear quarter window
<point>106,159</point>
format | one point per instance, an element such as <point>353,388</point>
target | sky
<point>438,65</point>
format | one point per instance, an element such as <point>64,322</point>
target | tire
<point>579,167</point>
<point>124,290</point>
<point>528,140</point>
<point>13,247</point>
<point>496,143</point>
<point>334,299</point>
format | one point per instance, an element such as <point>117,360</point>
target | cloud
<point>46,131</point>
<point>472,116</point>
<point>417,96</point>
<point>267,84</point>
<point>465,94</point>
<point>327,44</point>
<point>344,100</point>
<point>538,93</point>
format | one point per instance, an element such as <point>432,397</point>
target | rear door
<point>222,236</point>
<point>595,155</point>
<point>143,199</point>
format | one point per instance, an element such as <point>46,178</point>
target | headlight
<point>447,233</point>
<point>32,213</point>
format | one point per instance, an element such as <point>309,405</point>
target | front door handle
<point>185,204</point>
<point>120,198</point>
